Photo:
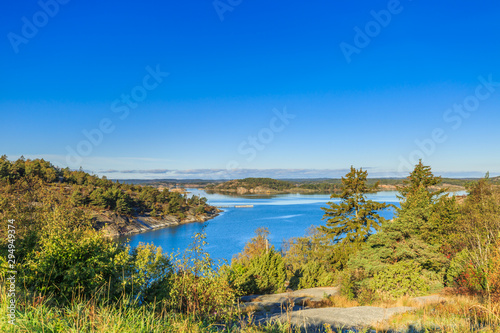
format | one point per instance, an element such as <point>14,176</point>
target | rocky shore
<point>116,225</point>
<point>241,190</point>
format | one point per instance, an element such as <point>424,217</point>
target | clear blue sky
<point>362,99</point>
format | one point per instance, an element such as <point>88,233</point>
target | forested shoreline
<point>112,205</point>
<point>277,186</point>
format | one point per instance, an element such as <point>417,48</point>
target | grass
<point>457,314</point>
<point>336,301</point>
<point>39,315</point>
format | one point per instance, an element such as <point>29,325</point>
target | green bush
<point>148,275</point>
<point>457,267</point>
<point>313,274</point>
<point>73,263</point>
<point>198,288</point>
<point>269,272</point>
<point>74,260</point>
<point>262,274</point>
<point>401,279</point>
<point>240,278</point>
<point>348,283</point>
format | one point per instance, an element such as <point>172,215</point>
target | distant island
<point>274,186</point>
<point>267,186</point>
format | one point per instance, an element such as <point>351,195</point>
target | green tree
<point>5,166</point>
<point>77,198</point>
<point>424,211</point>
<point>123,205</point>
<point>420,177</point>
<point>97,198</point>
<point>414,236</point>
<point>354,219</point>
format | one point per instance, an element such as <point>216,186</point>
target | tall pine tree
<point>354,219</point>
<point>420,178</point>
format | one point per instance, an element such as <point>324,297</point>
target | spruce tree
<point>425,211</point>
<point>420,178</point>
<point>416,234</point>
<point>354,219</point>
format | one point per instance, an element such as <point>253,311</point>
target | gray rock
<point>313,320</point>
<point>298,296</point>
<point>292,307</point>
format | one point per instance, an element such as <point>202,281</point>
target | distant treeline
<point>321,185</point>
<point>271,184</point>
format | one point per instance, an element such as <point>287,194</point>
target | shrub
<point>401,279</point>
<point>241,279</point>
<point>73,263</point>
<point>198,287</point>
<point>457,268</point>
<point>494,273</point>
<point>263,274</point>
<point>269,272</point>
<point>149,273</point>
<point>313,274</point>
<point>349,280</point>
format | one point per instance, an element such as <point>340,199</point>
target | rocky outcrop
<point>293,307</point>
<point>314,320</point>
<point>115,225</point>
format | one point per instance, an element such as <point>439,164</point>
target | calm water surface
<point>286,216</point>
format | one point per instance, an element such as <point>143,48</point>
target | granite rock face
<point>294,307</point>
<point>314,320</point>
<point>115,225</point>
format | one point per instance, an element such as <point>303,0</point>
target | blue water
<point>286,216</point>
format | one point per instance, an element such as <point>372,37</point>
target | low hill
<point>116,208</point>
<point>273,186</point>
<point>269,186</point>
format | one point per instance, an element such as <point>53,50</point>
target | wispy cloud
<point>153,171</point>
<point>231,174</point>
<point>270,173</point>
<point>97,165</point>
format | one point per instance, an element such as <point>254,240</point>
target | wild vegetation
<point>71,278</point>
<point>434,243</point>
<point>91,193</point>
<point>252,184</point>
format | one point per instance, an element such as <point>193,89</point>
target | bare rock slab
<point>314,320</point>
